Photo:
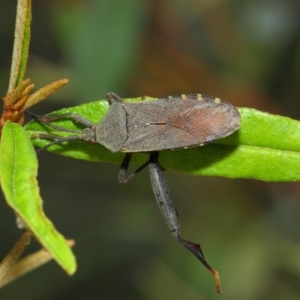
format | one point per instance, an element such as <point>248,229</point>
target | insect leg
<point>112,97</point>
<point>124,166</point>
<point>168,211</point>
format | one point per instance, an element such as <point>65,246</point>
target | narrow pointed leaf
<point>267,147</point>
<point>18,171</point>
<point>21,43</point>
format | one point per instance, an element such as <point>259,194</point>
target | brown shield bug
<point>175,122</point>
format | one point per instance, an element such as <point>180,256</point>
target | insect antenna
<point>55,139</point>
<point>45,120</point>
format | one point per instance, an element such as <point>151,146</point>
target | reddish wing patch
<point>208,122</point>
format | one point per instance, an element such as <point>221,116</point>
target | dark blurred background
<point>245,52</point>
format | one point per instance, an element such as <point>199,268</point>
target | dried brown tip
<point>217,280</point>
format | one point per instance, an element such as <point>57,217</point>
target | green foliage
<point>18,161</point>
<point>18,169</point>
<point>266,147</point>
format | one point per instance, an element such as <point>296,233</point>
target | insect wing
<point>178,122</point>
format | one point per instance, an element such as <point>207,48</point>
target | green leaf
<point>21,43</point>
<point>18,171</point>
<point>267,147</point>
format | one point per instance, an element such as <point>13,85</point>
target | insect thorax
<point>111,132</point>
